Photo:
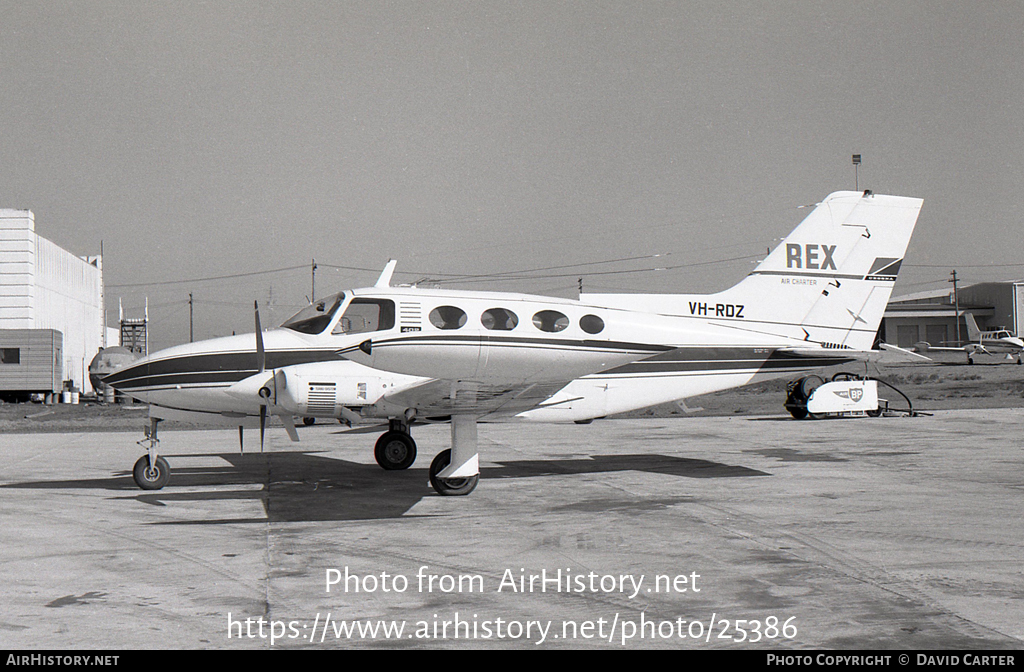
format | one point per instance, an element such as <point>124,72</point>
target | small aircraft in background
<point>413,355</point>
<point>994,342</point>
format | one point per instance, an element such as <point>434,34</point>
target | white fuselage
<point>381,342</point>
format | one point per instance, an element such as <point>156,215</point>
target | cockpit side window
<point>365,315</point>
<point>315,317</point>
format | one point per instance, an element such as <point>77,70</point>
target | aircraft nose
<point>121,379</point>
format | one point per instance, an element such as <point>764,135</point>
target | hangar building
<point>931,316</point>
<point>51,310</point>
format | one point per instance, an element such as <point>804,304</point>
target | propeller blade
<point>263,425</point>
<point>289,426</point>
<point>241,445</point>
<point>261,355</point>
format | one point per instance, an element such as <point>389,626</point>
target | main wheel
<point>450,486</point>
<point>309,422</point>
<point>151,478</point>
<point>395,450</point>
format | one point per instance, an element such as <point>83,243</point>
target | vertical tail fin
<point>831,278</point>
<point>973,332</point>
<point>828,282</point>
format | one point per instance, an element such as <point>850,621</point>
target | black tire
<point>874,413</point>
<point>450,487</point>
<point>151,479</point>
<point>798,412</point>
<point>309,422</point>
<point>395,451</point>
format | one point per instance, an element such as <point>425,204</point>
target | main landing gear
<point>395,448</point>
<point>451,487</point>
<point>453,472</point>
<point>456,472</point>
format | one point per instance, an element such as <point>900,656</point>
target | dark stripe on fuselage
<point>720,360</point>
<point>488,339</point>
<point>805,274</point>
<point>220,367</point>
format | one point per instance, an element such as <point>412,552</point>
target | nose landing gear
<point>151,472</point>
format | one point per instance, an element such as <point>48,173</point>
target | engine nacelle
<point>316,394</point>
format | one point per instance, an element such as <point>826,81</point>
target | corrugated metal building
<point>44,288</point>
<point>932,316</point>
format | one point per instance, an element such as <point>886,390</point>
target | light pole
<point>856,171</point>
<point>956,305</point>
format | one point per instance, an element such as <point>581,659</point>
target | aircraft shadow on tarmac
<point>299,486</point>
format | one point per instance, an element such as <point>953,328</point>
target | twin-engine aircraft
<point>996,342</point>
<point>410,354</point>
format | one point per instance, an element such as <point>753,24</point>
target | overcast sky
<point>207,139</point>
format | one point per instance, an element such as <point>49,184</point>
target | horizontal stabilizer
<point>898,354</point>
<point>888,353</point>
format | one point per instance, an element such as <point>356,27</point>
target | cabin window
<point>592,324</point>
<point>499,319</point>
<point>448,317</point>
<point>315,317</point>
<point>366,315</point>
<point>550,321</point>
<point>10,355</point>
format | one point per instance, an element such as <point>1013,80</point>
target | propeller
<point>261,365</point>
<point>265,393</point>
<point>261,355</point>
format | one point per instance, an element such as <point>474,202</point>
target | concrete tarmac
<point>700,533</point>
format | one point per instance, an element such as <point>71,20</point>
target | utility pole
<point>312,289</point>
<point>190,317</point>
<point>956,305</point>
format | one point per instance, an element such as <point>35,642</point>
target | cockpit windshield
<point>315,317</point>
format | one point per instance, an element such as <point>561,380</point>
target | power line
<point>620,272</point>
<point>216,277</point>
<point>963,265</point>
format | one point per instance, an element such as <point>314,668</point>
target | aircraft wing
<point>439,398</point>
<point>886,353</point>
<point>970,348</point>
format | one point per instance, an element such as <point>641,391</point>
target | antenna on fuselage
<point>385,277</point>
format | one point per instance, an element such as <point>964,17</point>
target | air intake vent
<point>409,316</point>
<point>321,398</point>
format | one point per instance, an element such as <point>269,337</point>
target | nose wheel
<point>151,477</point>
<point>151,472</point>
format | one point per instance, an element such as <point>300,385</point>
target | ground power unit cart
<point>845,395</point>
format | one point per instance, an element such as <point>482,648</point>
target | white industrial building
<point>51,310</point>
